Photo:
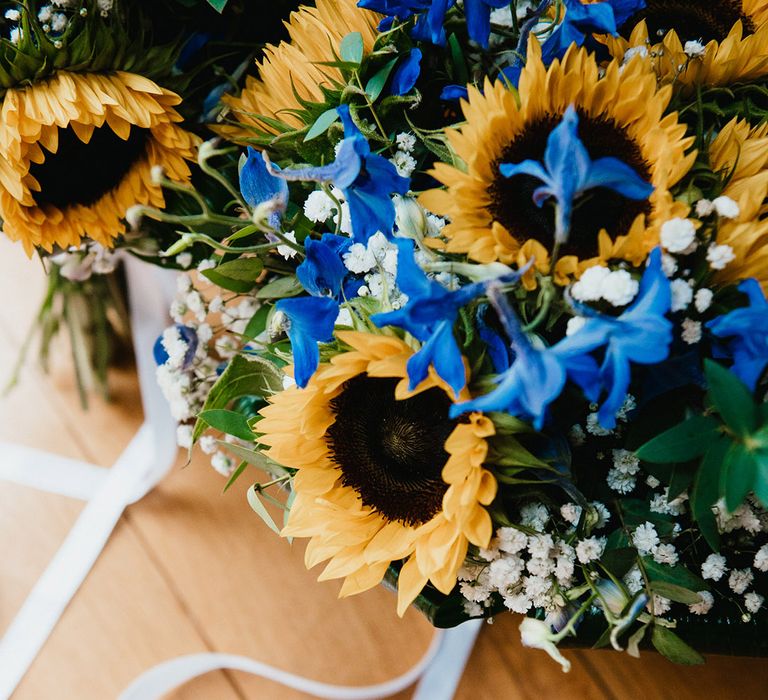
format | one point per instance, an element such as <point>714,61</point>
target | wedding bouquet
<point>480,285</point>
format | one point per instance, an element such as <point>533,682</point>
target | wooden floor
<point>189,569</point>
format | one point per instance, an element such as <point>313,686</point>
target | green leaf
<point>761,477</point>
<point>228,283</point>
<point>731,398</point>
<point>218,5</point>
<point>675,592</point>
<point>687,440</point>
<point>258,322</point>
<point>706,492</point>
<point>322,124</point>
<point>260,509</point>
<point>257,459</point>
<point>738,475</point>
<point>376,84</point>
<point>351,48</point>
<point>234,476</point>
<point>280,288</point>
<point>229,422</point>
<point>242,269</point>
<point>668,644</point>
<point>242,377</point>
<point>677,575</point>
<point>619,561</point>
<point>633,643</point>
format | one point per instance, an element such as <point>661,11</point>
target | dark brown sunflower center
<point>82,173</point>
<point>512,198</point>
<point>391,452</point>
<point>693,20</point>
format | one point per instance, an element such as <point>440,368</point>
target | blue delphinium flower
<point>580,21</point>
<point>258,185</point>
<point>322,272</point>
<point>642,334</point>
<point>746,330</point>
<point>310,321</point>
<point>478,14</point>
<point>430,16</point>
<point>183,337</point>
<point>366,179</point>
<point>429,315</point>
<point>407,73</point>
<point>568,172</point>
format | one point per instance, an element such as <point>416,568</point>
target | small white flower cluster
<point>403,160</point>
<point>646,540</point>
<point>78,264</point>
<point>377,261</point>
<point>622,476</point>
<point>739,580</point>
<point>694,49</point>
<point>531,570</point>
<point>593,424</point>
<point>319,207</point>
<point>749,516</point>
<point>660,503</point>
<point>598,282</point>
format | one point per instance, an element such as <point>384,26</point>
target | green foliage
<point>236,275</point>
<point>668,644</point>
<point>242,377</point>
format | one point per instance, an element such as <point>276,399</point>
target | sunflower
<point>78,149</point>
<point>734,34</point>
<point>741,153</point>
<point>383,473</point>
<point>620,114</point>
<point>292,71</point>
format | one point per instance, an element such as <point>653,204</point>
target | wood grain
<point>191,569</point>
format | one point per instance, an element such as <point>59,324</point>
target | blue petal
<point>454,93</point>
<point>322,272</point>
<point>527,167</point>
<point>615,175</point>
<point>257,184</point>
<point>311,320</point>
<point>407,73</point>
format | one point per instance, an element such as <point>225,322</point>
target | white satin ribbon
<point>107,493</point>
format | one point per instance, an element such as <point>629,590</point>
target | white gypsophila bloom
<point>690,331</point>
<point>645,538</point>
<point>470,571</point>
<point>590,549</point>
<point>534,515</point>
<point>704,605</point>
<point>620,482</point>
<point>285,251</point>
<point>59,22</point>
<point>726,207</point>
<point>318,206</point>
<point>44,15</point>
<point>226,346</point>
<point>406,141</point>
<point>658,605</point>
<point>105,6</point>
<point>194,302</point>
<point>175,346</point>
<point>740,580</point>
<point>511,540</point>
<point>177,310</point>
<point>660,503</point>
<point>208,444</point>
<point>13,15</point>
<point>594,427</point>
<point>753,601</point>
<point>677,234</point>
<point>630,53</point>
<point>15,35</point>
<point>475,591</point>
<point>668,265</point>
<point>384,252</point>
<point>619,288</point>
<point>714,567</point>
<point>344,318</point>
<point>602,512</point>
<point>626,462</point>
<point>682,295</point>
<point>345,225</point>
<point>540,545</point>
<point>184,436</point>
<point>703,299</point>
<point>505,572</point>
<point>184,260</point>
<point>518,602</point>
<point>204,333</point>
<point>183,284</point>
<point>566,563</point>
<point>404,163</point>
<point>665,554</point>
<point>694,49</point>
<point>589,287</point>
<point>541,567</point>
<point>575,324</point>
<point>571,513</point>
<point>472,609</point>
<point>204,265</point>
<point>576,435</point>
<point>704,208</point>
<point>216,305</point>
<point>629,405</point>
<point>536,586</point>
<point>502,17</point>
<point>761,558</point>
<point>222,464</point>
<point>718,256</point>
<point>490,553</point>
<point>435,224</point>
<point>652,481</point>
<point>633,580</point>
